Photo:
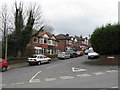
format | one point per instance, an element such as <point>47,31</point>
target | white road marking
<point>35,80</point>
<point>66,77</point>
<point>77,69</point>
<point>17,83</point>
<point>83,75</point>
<point>50,79</point>
<point>2,85</point>
<point>115,87</point>
<point>98,73</point>
<point>111,71</point>
<point>20,83</point>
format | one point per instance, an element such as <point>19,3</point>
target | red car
<point>80,53</point>
<point>3,65</point>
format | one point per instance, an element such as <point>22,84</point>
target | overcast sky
<point>76,17</point>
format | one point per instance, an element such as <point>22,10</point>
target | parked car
<point>80,53</point>
<point>38,59</point>
<point>3,65</point>
<point>73,54</point>
<point>92,55</point>
<point>63,55</point>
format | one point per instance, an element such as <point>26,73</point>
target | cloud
<point>77,16</point>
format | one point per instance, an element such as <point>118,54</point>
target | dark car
<point>73,54</point>
<point>3,65</point>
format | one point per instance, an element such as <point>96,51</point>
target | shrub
<point>106,39</point>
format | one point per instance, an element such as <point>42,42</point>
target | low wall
<point>16,61</point>
<point>110,59</point>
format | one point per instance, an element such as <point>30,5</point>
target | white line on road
<point>17,83</point>
<point>35,80</point>
<point>66,77</point>
<point>50,79</point>
<point>115,87</point>
<point>1,85</point>
<point>111,71</point>
<point>83,75</point>
<point>77,69</point>
<point>98,73</point>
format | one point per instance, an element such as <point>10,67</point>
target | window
<point>35,40</point>
<point>50,42</point>
<point>45,41</point>
<point>1,61</point>
<point>42,40</point>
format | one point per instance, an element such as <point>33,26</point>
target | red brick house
<point>43,43</point>
<point>76,43</point>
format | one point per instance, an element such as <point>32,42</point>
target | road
<point>69,73</point>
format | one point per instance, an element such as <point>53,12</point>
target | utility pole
<point>6,43</point>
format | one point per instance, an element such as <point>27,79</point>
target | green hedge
<point>106,39</point>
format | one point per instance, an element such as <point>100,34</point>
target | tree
<point>4,18</point>
<point>24,25</point>
<point>106,39</point>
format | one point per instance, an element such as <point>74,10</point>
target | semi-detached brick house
<point>43,43</point>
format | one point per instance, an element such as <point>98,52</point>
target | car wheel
<point>88,57</point>
<point>4,69</point>
<point>49,61</point>
<point>39,63</point>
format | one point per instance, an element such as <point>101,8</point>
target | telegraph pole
<point>6,43</point>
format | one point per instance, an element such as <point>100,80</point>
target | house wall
<point>61,45</point>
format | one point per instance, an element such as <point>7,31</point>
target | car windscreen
<point>33,56</point>
<point>1,61</point>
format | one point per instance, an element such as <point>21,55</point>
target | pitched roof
<point>62,37</point>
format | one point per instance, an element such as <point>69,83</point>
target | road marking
<point>98,73</point>
<point>111,71</point>
<point>17,83</point>
<point>77,69</point>
<point>35,80</point>
<point>115,87</point>
<point>66,77</point>
<point>1,85</point>
<point>20,83</point>
<point>50,79</point>
<point>83,75</point>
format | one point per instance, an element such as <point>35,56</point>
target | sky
<point>75,17</point>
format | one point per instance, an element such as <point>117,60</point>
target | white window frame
<point>41,39</point>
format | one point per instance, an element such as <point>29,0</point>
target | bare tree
<point>48,29</point>
<point>4,26</point>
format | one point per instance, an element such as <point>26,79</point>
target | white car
<point>63,55</point>
<point>92,55</point>
<point>38,59</point>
